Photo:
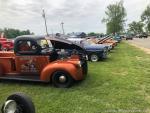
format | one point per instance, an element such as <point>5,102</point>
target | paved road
<point>141,42</point>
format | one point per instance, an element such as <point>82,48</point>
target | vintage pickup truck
<point>35,58</point>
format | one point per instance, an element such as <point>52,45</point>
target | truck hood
<point>60,43</point>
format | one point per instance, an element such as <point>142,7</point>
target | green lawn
<point>119,84</point>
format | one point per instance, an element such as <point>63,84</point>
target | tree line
<point>13,33</point>
<point>116,17</point>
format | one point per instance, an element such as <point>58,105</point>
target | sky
<point>77,15</point>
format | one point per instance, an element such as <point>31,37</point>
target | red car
<point>6,44</point>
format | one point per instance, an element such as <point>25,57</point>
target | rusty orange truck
<point>38,58</point>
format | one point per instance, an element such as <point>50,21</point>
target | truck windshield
<point>44,43</point>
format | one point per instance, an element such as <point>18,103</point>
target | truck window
<point>26,47</point>
<point>44,43</point>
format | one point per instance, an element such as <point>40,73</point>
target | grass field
<point>119,84</point>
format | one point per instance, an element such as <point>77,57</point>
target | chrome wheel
<point>62,79</point>
<point>10,106</point>
<point>94,58</point>
<point>18,103</point>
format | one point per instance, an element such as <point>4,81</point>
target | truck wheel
<point>62,79</point>
<point>94,57</point>
<point>19,103</point>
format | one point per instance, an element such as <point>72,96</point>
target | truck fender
<point>48,71</point>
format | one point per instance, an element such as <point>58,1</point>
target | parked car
<point>95,41</point>
<point>6,44</point>
<point>129,37</point>
<point>143,35</point>
<point>95,52</point>
<point>117,38</point>
<point>77,35</point>
<point>35,59</point>
<point>108,41</point>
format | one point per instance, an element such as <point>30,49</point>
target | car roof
<point>38,37</point>
<point>31,36</point>
<point>55,41</point>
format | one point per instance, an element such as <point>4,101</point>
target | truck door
<point>31,64</point>
<point>27,58</point>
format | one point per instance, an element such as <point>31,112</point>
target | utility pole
<point>43,14</point>
<point>62,25</point>
<point>52,33</point>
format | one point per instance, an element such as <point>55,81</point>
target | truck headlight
<point>111,46</point>
<point>79,64</point>
<point>86,57</point>
<point>9,106</point>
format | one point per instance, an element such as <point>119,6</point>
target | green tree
<point>13,33</point>
<point>115,17</point>
<point>145,17</point>
<point>92,34</point>
<point>136,27</point>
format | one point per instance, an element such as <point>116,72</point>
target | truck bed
<point>6,54</point>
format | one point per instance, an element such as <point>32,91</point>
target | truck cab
<point>35,58</point>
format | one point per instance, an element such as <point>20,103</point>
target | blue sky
<point>77,15</point>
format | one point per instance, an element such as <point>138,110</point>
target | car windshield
<point>44,43</point>
<point>86,43</point>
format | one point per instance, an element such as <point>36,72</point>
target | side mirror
<point>18,103</point>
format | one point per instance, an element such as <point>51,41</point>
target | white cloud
<point>76,14</point>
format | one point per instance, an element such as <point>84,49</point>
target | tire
<point>62,79</point>
<point>24,103</point>
<point>94,58</point>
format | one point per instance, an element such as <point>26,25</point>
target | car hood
<point>60,43</point>
<point>95,46</point>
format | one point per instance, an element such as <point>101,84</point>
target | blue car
<point>117,38</point>
<point>95,52</point>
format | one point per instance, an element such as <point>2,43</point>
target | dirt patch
<point>142,48</point>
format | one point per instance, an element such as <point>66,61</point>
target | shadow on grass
<point>109,59</point>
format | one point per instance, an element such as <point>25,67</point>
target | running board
<point>22,78</point>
